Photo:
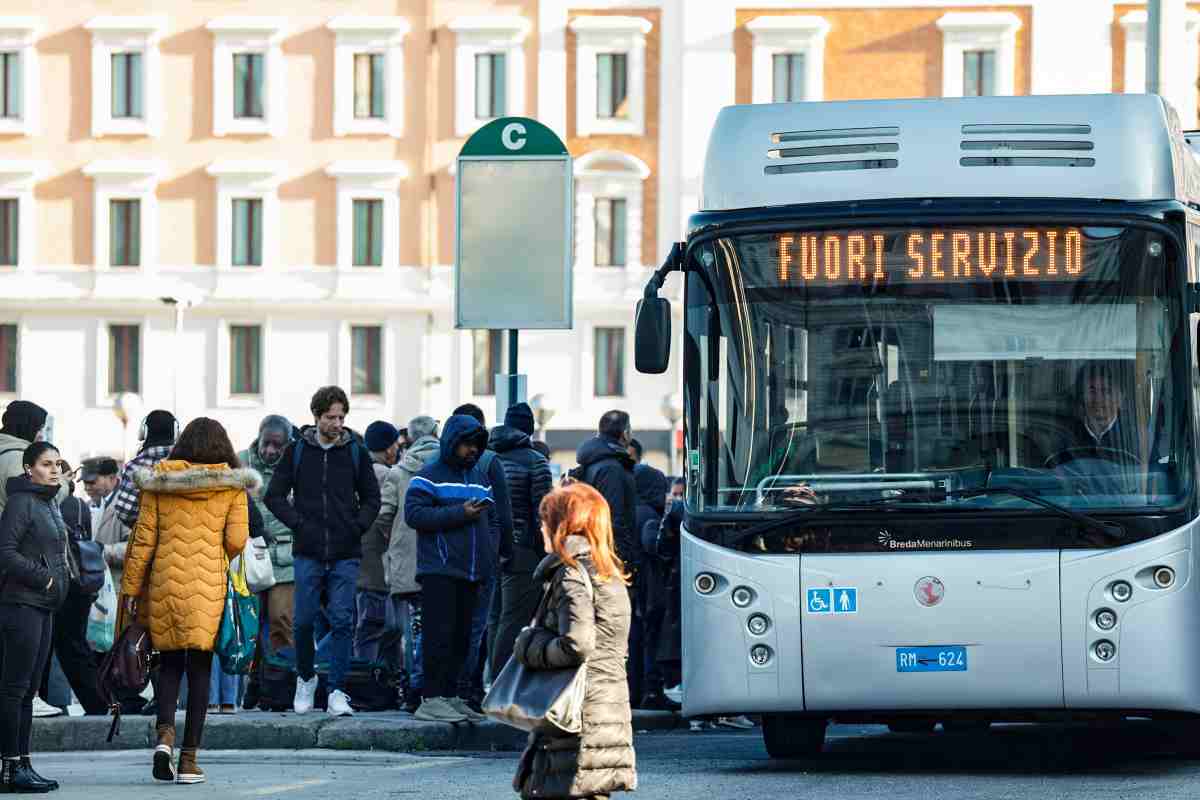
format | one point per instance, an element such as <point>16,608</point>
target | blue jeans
<point>405,615</point>
<point>222,688</point>
<point>470,681</point>
<point>337,580</point>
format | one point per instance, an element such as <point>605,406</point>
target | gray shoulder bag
<point>540,700</point>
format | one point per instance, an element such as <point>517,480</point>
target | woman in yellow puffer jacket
<point>192,520</point>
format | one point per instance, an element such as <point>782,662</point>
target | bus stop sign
<point>514,215</point>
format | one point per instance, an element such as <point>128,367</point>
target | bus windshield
<point>914,364</point>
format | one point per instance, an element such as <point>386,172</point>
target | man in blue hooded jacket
<point>451,507</point>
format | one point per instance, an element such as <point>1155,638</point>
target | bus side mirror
<point>652,336</point>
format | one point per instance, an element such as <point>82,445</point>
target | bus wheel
<point>793,736</point>
<point>965,725</point>
<point>912,725</point>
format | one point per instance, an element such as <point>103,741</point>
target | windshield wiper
<point>1109,530</point>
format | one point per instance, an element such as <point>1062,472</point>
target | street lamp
<point>127,406</point>
<point>672,409</point>
<point>543,412</point>
<point>179,305</point>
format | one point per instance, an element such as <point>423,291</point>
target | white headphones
<point>144,429</point>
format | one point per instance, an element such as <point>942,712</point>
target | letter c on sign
<point>513,136</point>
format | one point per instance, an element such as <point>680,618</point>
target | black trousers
<point>26,633</point>
<point>172,666</point>
<point>449,605</point>
<point>519,598</point>
<point>75,655</point>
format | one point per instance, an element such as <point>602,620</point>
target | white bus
<point>941,430</point>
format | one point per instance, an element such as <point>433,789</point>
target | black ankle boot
<point>25,762</point>
<point>15,778</point>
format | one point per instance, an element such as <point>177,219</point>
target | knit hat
<point>520,416</point>
<point>23,419</point>
<point>381,435</point>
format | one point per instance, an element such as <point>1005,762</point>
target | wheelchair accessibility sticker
<point>836,600</point>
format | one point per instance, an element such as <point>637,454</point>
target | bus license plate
<point>945,658</point>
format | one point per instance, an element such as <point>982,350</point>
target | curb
<point>393,732</point>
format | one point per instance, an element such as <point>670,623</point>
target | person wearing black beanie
<point>22,421</point>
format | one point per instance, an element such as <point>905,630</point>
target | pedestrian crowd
<point>407,566</point>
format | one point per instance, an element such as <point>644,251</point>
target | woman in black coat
<point>585,620</point>
<point>34,579</point>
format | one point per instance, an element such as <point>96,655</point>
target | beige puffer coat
<point>192,520</point>
<point>574,629</point>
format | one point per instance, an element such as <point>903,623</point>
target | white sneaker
<point>740,723</point>
<point>43,709</point>
<point>339,705</point>
<point>306,692</point>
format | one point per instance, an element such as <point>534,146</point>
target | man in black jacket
<point>605,465</point>
<point>527,473</point>
<point>324,490</point>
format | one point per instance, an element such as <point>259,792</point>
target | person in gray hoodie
<point>400,560</point>
<point>22,423</point>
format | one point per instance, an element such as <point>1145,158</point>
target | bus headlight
<point>1104,650</point>
<point>1106,619</point>
<point>1121,591</point>
<point>758,624</point>
<point>742,596</point>
<point>760,654</point>
<point>1164,577</point>
<point>705,583</point>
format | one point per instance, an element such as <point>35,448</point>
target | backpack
<point>89,565</point>
<point>356,453</point>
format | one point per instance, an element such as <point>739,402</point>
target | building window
<point>248,86</point>
<point>490,85</point>
<point>8,359</point>
<point>610,362</point>
<point>610,232</point>
<point>124,359</point>
<point>610,74</point>
<point>979,73</point>
<point>612,86</point>
<point>10,85</point>
<point>126,85</point>
<point>245,359</point>
<point>979,53</point>
<point>488,357</point>
<point>247,232</point>
<point>788,83</point>
<point>10,216</point>
<point>368,233</point>
<point>124,237</point>
<point>489,69</point>
<point>366,359</point>
<point>369,86</point>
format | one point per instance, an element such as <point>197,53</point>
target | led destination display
<point>961,254</point>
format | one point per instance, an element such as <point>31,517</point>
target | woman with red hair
<point>586,620</point>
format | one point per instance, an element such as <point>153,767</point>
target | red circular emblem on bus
<point>929,591</point>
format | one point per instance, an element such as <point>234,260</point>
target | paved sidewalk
<point>393,731</point>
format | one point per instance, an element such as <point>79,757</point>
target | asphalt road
<point>1020,762</point>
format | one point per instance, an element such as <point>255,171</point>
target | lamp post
<point>543,412</point>
<point>672,409</point>
<point>127,406</point>
<point>179,305</point>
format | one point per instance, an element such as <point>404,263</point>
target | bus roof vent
<point>827,150</point>
<point>1027,145</point>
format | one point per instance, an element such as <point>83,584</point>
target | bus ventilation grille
<point>826,151</point>
<point>1044,145</point>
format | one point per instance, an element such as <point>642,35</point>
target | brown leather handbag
<point>124,671</point>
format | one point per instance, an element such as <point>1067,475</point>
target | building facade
<point>218,209</point>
